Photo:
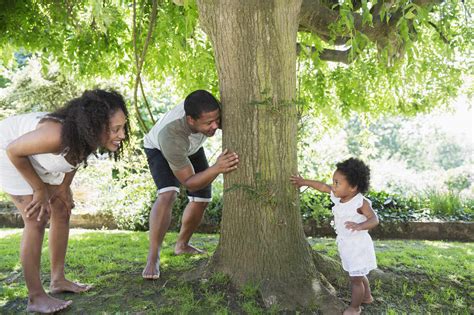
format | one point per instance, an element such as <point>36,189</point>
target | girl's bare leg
<point>358,293</point>
<point>58,240</point>
<point>30,255</point>
<point>368,293</point>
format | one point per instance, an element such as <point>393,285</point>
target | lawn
<point>428,277</point>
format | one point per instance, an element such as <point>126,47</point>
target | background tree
<point>390,57</point>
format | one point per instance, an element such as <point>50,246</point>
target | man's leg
<point>160,218</point>
<point>194,211</point>
<point>192,217</point>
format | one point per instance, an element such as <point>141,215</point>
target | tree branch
<point>139,60</point>
<point>441,34</point>
<point>317,17</point>
<point>137,63</point>
<point>147,105</point>
<point>334,55</point>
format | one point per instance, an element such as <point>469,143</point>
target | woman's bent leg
<point>30,255</point>
<point>58,240</point>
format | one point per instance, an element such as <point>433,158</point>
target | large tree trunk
<point>262,240</point>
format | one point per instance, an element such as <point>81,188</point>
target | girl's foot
<point>352,311</point>
<point>181,249</point>
<point>151,271</point>
<point>368,300</point>
<point>46,304</point>
<point>68,286</point>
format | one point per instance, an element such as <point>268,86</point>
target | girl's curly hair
<point>85,119</point>
<point>356,172</point>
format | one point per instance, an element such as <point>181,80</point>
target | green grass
<point>425,277</point>
<point>448,204</point>
<point>4,197</point>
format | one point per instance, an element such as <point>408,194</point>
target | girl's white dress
<point>355,247</point>
<point>51,168</point>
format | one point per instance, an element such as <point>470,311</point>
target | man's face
<point>206,124</point>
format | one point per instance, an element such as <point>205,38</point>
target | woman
<point>39,156</point>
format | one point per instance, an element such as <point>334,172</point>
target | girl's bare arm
<point>299,181</point>
<point>371,222</point>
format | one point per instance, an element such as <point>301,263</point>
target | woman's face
<point>115,132</point>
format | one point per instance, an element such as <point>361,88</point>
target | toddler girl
<point>353,217</point>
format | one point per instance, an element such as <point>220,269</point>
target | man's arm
<point>226,162</point>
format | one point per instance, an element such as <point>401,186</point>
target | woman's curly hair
<point>85,119</point>
<point>356,172</point>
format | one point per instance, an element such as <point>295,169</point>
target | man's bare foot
<point>352,311</point>
<point>368,300</point>
<point>46,304</point>
<point>68,286</point>
<point>181,249</point>
<point>152,270</point>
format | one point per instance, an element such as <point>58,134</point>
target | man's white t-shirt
<point>173,137</point>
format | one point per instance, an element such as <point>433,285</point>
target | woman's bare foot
<point>368,300</point>
<point>46,304</point>
<point>151,271</point>
<point>68,286</point>
<point>181,249</point>
<point>352,311</point>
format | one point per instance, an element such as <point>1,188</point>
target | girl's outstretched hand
<point>297,180</point>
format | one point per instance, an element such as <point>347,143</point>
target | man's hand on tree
<point>227,162</point>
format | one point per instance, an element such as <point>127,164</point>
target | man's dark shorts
<point>165,179</point>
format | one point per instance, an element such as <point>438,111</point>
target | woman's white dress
<point>51,168</point>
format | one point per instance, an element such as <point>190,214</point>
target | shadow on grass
<point>127,292</point>
<point>419,277</point>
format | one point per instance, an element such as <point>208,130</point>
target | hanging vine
<point>139,61</point>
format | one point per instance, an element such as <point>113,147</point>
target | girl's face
<point>341,187</point>
<point>115,132</point>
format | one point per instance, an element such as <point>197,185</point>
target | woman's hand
<point>64,195</point>
<point>39,204</point>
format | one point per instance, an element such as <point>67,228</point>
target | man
<point>175,156</point>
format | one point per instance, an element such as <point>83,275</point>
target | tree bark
<point>262,240</point>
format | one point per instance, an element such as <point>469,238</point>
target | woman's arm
<point>45,139</point>
<point>63,192</point>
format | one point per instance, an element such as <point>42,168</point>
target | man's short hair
<point>199,102</point>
